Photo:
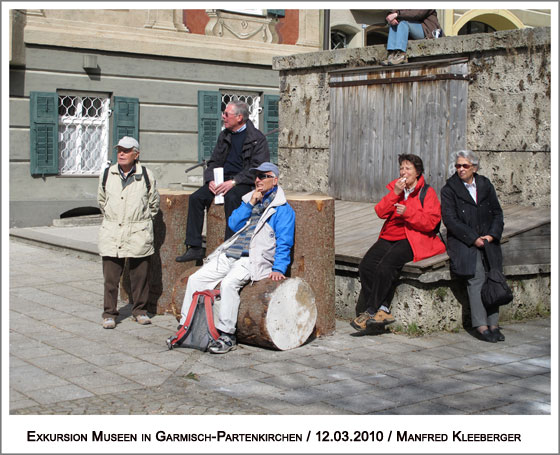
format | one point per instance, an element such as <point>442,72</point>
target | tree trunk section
<point>276,314</point>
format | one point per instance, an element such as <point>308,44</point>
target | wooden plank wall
<point>372,124</point>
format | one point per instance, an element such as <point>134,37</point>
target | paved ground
<point>63,362</point>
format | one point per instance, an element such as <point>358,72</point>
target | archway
<point>498,19</point>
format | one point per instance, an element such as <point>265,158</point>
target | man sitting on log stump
<point>260,248</point>
<point>239,148</point>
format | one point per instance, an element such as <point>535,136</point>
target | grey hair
<point>467,154</point>
<point>241,108</point>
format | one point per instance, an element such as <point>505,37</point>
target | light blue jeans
<point>399,34</point>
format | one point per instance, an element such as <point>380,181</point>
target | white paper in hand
<point>218,180</point>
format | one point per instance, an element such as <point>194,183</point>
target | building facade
<point>365,27</point>
<point>81,79</point>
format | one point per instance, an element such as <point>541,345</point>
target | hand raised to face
<point>400,185</point>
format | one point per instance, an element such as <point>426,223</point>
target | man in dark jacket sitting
<point>240,149</point>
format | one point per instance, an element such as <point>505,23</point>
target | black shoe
<point>193,253</point>
<point>497,334</point>
<point>486,336</point>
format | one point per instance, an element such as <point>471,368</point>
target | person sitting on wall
<point>405,24</point>
<point>264,226</point>
<point>129,201</point>
<point>240,147</point>
<point>409,233</point>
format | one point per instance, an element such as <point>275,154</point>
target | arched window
<point>472,27</point>
<point>339,39</point>
<point>375,37</point>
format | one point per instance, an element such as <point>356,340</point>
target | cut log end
<point>280,315</point>
<point>291,315</point>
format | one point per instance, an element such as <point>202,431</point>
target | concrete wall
<point>508,119</point>
<point>167,89</point>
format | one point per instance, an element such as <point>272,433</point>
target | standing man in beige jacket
<point>129,201</point>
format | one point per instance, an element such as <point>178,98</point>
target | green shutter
<point>125,120</point>
<point>271,123</point>
<point>43,117</point>
<point>276,12</point>
<point>209,122</point>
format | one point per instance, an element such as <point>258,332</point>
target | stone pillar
<point>165,19</point>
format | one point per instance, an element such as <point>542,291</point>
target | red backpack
<point>198,330</point>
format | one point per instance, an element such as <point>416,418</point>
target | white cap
<point>128,142</point>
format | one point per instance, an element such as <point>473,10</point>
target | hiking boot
<point>398,58</point>
<point>193,253</point>
<point>389,59</point>
<point>360,322</point>
<point>143,319</point>
<point>109,323</point>
<point>381,318</point>
<point>224,344</point>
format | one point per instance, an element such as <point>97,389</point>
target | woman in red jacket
<point>409,233</point>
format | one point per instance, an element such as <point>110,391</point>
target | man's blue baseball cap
<point>268,167</point>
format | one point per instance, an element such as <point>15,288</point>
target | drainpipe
<point>327,30</point>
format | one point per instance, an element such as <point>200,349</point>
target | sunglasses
<point>227,114</point>
<point>261,176</point>
<point>466,166</point>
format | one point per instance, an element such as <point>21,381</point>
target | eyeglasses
<point>264,176</point>
<point>126,151</point>
<point>227,114</point>
<point>465,165</point>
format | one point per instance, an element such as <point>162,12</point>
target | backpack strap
<point>146,179</point>
<point>208,303</point>
<point>423,192</point>
<point>144,173</point>
<point>422,196</point>
<point>105,175</point>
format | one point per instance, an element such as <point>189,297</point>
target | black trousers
<point>139,284</point>
<point>379,270</point>
<point>201,200</point>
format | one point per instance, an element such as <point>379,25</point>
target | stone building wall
<point>508,118</point>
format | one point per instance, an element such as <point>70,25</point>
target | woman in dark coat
<point>472,214</point>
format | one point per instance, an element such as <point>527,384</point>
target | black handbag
<point>495,290</point>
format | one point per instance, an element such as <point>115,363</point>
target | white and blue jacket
<point>272,240</point>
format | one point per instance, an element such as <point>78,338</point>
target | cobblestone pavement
<point>63,362</point>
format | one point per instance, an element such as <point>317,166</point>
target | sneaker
<point>381,318</point>
<point>398,58</point>
<point>193,253</point>
<point>143,319</point>
<point>360,322</point>
<point>389,59</point>
<point>224,344</point>
<point>109,323</point>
